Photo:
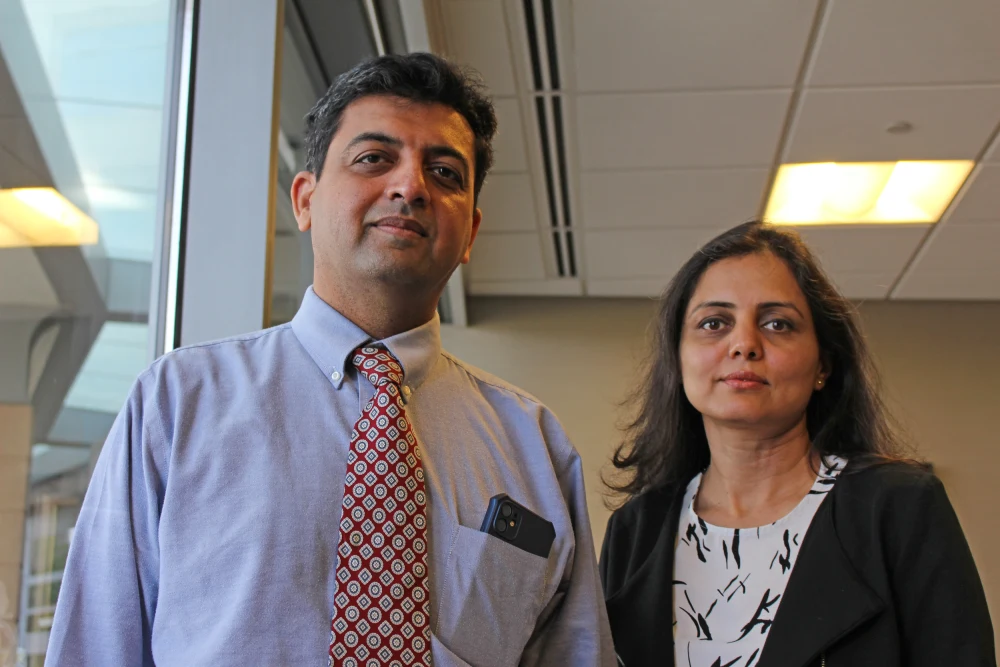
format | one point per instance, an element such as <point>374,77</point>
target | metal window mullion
<point>163,303</point>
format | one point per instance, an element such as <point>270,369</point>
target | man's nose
<point>408,183</point>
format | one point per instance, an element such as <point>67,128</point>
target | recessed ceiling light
<point>836,193</point>
<point>33,217</point>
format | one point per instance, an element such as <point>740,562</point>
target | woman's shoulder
<point>633,533</point>
<point>890,492</point>
<point>649,506</point>
<point>887,477</point>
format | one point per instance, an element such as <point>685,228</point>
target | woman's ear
<point>825,371</point>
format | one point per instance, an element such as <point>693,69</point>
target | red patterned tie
<point>381,606</point>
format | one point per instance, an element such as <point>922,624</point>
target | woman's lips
<point>744,380</point>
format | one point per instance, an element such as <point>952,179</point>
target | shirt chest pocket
<point>491,594</point>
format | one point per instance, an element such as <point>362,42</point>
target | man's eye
<point>447,172</point>
<point>371,158</point>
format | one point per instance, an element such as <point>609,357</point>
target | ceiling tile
<point>908,41</point>
<point>981,200</point>
<point>661,44</point>
<point>10,104</point>
<point>871,249</point>
<point>23,281</point>
<point>18,137</point>
<point>641,254</point>
<point>850,125</point>
<point>508,204</point>
<point>670,198</point>
<point>951,285</point>
<point>516,256</point>
<point>476,36</point>
<point>16,174</point>
<point>509,152</point>
<point>719,129</point>
<point>864,285</point>
<point>992,155</point>
<point>962,248</point>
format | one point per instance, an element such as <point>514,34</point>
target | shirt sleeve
<point>573,629</point>
<point>938,594</point>
<point>107,598</point>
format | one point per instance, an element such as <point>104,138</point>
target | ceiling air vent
<point>548,102</point>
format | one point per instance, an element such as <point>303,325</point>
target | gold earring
<point>819,382</point>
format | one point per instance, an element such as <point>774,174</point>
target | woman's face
<point>748,351</point>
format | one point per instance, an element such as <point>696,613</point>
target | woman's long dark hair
<point>666,444</point>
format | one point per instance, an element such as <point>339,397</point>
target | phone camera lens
<point>500,524</point>
<point>506,511</point>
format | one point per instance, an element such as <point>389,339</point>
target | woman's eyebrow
<point>780,304</point>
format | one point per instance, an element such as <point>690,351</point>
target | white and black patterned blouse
<point>728,582</point>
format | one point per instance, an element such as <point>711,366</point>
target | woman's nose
<point>745,342</point>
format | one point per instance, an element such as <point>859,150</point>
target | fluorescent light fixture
<point>32,217</point>
<point>837,193</point>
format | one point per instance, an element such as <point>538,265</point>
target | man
<point>318,488</point>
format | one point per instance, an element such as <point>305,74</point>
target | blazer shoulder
<point>880,502</point>
<point>652,504</point>
<point>888,480</point>
<point>633,532</point>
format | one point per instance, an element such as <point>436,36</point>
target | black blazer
<point>884,577</point>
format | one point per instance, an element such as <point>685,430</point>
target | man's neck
<point>380,313</point>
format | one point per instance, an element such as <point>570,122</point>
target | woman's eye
<point>711,324</point>
<point>779,325</point>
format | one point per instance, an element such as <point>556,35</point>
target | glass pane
<point>306,68</point>
<point>82,90</point>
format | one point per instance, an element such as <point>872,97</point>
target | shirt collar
<point>330,338</point>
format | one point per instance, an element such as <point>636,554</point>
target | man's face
<point>394,203</point>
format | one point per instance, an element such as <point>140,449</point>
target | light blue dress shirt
<point>208,535</point>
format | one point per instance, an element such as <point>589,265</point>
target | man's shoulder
<point>215,358</point>
<point>491,383</point>
<point>515,406</point>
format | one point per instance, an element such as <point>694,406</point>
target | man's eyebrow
<point>379,137</point>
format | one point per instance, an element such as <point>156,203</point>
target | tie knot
<point>378,365</point>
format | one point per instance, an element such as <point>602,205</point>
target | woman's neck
<point>755,480</point>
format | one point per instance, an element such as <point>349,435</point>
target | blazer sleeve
<point>605,559</point>
<point>616,553</point>
<point>939,596</point>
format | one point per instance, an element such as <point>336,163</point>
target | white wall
<point>940,361</point>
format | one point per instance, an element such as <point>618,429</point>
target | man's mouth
<point>401,226</point>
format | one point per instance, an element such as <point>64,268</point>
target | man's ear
<point>477,218</point>
<point>303,186</point>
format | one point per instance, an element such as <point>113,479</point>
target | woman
<point>770,519</point>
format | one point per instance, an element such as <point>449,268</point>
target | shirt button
<point>335,376</point>
<point>406,391</point>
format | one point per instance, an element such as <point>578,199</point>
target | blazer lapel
<point>825,598</point>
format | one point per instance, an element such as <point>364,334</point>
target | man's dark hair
<point>420,77</point>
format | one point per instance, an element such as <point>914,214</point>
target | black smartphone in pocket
<point>517,525</point>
